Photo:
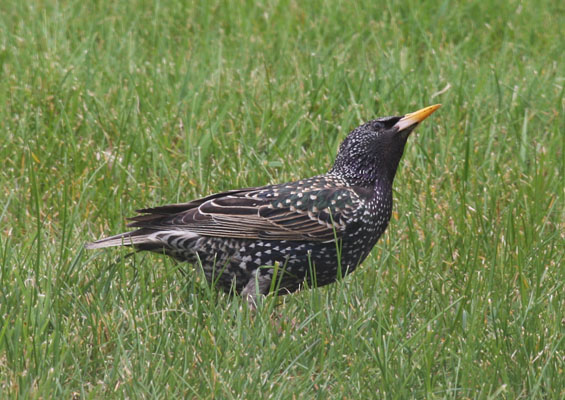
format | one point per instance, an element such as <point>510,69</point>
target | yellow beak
<point>416,117</point>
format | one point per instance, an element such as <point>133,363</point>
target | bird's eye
<point>388,122</point>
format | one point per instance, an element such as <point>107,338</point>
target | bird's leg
<point>258,285</point>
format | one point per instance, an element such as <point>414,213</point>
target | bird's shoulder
<point>317,195</point>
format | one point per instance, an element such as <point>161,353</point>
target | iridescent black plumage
<point>314,229</point>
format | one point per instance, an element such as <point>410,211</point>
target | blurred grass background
<point>109,106</point>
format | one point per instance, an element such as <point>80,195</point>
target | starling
<point>313,230</point>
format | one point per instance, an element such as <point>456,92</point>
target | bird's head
<point>372,151</point>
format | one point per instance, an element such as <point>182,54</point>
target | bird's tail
<point>133,238</point>
<point>147,239</point>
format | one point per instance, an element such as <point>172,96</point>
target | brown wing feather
<point>245,213</point>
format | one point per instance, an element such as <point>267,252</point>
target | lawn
<point>111,106</point>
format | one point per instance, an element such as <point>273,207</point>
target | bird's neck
<point>370,171</point>
<point>369,178</point>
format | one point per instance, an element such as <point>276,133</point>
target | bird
<point>283,237</point>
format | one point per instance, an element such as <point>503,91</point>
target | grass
<point>106,107</point>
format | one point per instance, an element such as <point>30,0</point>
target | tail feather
<point>123,239</point>
<point>145,239</point>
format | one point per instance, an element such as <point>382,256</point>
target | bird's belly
<point>230,263</point>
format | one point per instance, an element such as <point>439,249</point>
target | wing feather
<point>255,213</point>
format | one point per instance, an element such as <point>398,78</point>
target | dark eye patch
<point>388,122</point>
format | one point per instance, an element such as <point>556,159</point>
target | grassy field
<point>109,106</point>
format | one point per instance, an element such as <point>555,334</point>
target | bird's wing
<point>259,213</point>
